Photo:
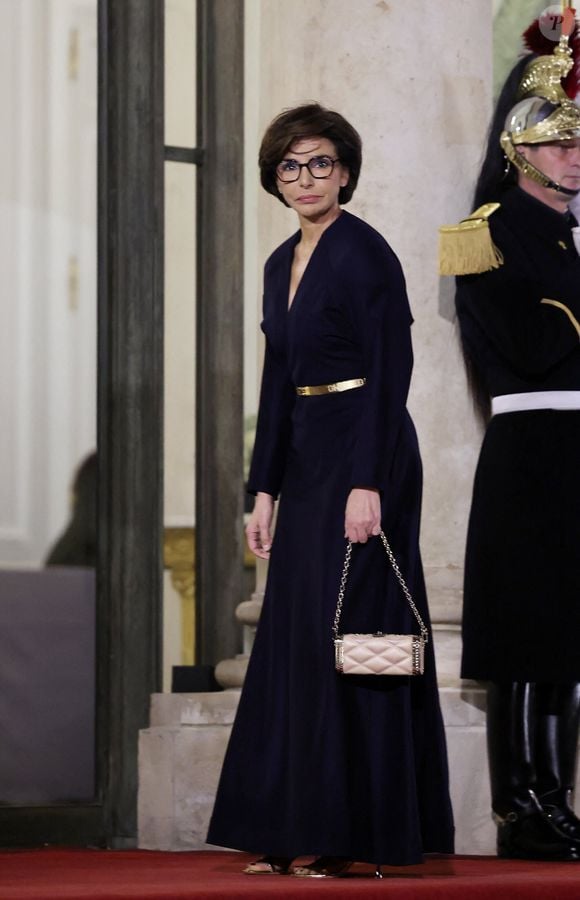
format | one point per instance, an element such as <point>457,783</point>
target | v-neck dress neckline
<point>294,243</point>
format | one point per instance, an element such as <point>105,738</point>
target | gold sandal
<point>323,867</point>
<point>269,865</point>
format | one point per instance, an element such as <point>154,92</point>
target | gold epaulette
<point>467,248</point>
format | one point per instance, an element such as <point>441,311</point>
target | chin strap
<point>561,190</point>
<point>547,182</point>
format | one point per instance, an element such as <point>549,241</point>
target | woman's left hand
<point>362,518</point>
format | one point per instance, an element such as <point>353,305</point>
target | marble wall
<point>415,80</point>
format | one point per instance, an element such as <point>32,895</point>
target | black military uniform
<point>518,305</point>
<point>520,324</point>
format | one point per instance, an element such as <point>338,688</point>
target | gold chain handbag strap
<point>400,579</point>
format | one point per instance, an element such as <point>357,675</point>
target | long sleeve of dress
<point>382,321</point>
<point>277,398</point>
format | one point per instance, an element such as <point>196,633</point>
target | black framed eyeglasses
<point>319,167</point>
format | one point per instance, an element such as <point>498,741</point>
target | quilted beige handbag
<point>379,653</point>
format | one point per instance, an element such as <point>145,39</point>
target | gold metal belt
<point>313,390</point>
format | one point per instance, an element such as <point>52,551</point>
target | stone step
<point>176,710</point>
<point>181,754</point>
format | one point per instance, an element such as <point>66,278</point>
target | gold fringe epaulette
<point>468,248</point>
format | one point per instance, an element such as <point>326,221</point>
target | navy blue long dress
<point>321,763</point>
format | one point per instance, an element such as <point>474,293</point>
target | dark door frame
<point>131,259</point>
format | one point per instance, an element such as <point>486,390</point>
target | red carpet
<point>116,875</point>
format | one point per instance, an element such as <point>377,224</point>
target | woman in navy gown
<point>336,767</point>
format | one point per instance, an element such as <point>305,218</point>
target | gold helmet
<point>543,114</point>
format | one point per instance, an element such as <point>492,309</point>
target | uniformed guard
<point>518,306</point>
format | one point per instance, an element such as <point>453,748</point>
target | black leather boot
<point>525,830</point>
<point>558,715</point>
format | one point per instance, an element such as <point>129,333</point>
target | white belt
<point>535,400</point>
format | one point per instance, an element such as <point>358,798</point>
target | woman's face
<point>312,197</point>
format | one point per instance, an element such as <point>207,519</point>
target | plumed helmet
<point>544,113</point>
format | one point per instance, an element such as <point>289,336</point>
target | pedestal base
<point>180,759</point>
<point>181,754</point>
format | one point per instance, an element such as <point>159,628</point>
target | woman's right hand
<point>258,529</point>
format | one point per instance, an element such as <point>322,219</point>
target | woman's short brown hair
<point>310,120</point>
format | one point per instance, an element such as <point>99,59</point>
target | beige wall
<point>180,309</point>
<point>415,80</point>
<point>180,131</point>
